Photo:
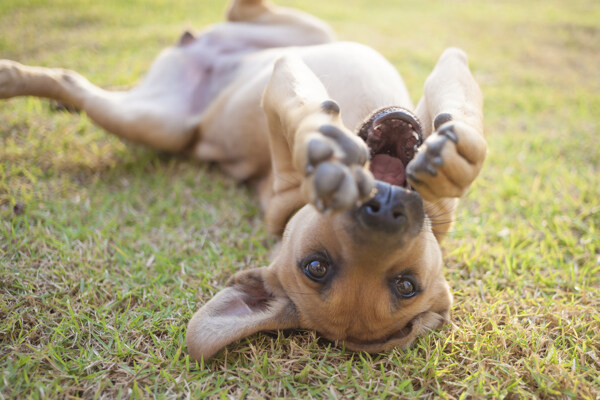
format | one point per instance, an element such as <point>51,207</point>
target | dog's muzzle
<point>393,210</point>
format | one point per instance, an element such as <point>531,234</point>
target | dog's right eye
<point>406,286</point>
<point>316,268</point>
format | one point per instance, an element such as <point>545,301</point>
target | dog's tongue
<point>388,169</point>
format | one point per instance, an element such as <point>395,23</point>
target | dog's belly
<point>233,128</point>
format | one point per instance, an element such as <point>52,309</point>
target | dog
<point>361,185</point>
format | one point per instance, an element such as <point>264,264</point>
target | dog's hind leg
<point>248,10</point>
<point>154,114</point>
<point>164,111</point>
<point>454,149</point>
<point>288,26</point>
<point>315,157</point>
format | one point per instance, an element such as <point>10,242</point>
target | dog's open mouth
<point>393,135</point>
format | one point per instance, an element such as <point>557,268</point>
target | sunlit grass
<point>117,245</point>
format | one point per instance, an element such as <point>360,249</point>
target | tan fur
<point>281,111</point>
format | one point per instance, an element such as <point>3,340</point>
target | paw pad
<point>330,107</point>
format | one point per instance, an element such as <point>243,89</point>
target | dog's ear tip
<point>197,351</point>
<point>203,344</point>
<point>243,308</point>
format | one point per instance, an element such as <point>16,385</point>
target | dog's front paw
<point>448,161</point>
<point>335,174</point>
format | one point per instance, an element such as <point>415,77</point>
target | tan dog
<point>333,152</point>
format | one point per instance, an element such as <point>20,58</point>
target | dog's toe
<point>448,161</point>
<point>328,178</point>
<point>318,152</point>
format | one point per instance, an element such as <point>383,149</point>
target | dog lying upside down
<point>353,179</point>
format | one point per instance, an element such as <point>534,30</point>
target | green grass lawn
<point>115,246</point>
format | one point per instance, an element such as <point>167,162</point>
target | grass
<point>117,245</point>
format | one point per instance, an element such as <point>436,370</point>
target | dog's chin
<point>401,338</point>
<point>393,135</point>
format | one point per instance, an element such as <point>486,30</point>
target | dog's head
<point>370,276</point>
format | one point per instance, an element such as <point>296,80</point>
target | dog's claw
<point>448,132</point>
<point>431,169</point>
<point>319,205</point>
<point>364,182</point>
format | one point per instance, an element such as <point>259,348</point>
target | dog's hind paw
<point>10,77</point>
<point>449,160</point>
<point>335,177</point>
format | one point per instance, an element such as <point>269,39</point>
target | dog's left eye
<point>316,269</point>
<point>406,286</point>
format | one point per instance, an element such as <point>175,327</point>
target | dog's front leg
<point>451,108</point>
<point>454,149</point>
<point>315,157</point>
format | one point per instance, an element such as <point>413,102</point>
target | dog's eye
<point>406,287</point>
<point>316,269</point>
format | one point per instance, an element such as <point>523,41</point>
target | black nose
<point>392,210</point>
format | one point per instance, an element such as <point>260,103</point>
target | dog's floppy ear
<point>251,302</point>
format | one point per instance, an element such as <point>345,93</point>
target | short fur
<point>275,100</point>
